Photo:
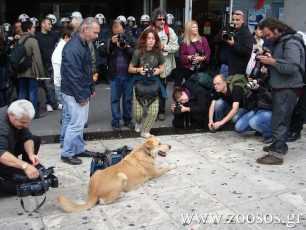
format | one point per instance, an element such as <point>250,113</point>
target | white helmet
<point>52,18</point>
<point>65,19</point>
<point>76,14</point>
<point>170,19</point>
<point>144,18</point>
<point>121,18</point>
<point>34,21</point>
<point>100,18</point>
<point>23,17</point>
<point>131,21</point>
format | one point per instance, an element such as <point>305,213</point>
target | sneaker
<point>49,108</point>
<point>129,124</point>
<point>137,127</point>
<point>270,160</point>
<point>161,116</point>
<point>71,160</point>
<point>59,107</point>
<point>116,127</point>
<point>293,136</point>
<point>145,134</point>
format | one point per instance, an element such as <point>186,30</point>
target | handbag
<point>147,91</point>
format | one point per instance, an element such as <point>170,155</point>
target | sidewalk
<point>216,177</point>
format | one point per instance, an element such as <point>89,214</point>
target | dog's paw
<point>173,166</point>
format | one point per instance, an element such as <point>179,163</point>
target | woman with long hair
<point>147,65</point>
<point>194,52</point>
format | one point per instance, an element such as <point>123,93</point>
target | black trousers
<point>283,104</point>
<point>299,114</point>
<point>7,173</point>
<point>187,120</point>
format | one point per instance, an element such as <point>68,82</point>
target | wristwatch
<point>24,166</point>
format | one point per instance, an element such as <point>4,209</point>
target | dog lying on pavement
<point>132,171</point>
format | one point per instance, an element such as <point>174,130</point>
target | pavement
<point>217,184</point>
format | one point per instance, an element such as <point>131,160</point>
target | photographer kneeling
<point>15,140</point>
<point>190,107</point>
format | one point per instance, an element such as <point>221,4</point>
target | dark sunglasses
<point>161,19</point>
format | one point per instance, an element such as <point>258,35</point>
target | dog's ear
<point>148,144</point>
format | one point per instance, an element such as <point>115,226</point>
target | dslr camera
<point>251,84</point>
<point>178,108</point>
<point>194,65</point>
<point>26,187</point>
<point>148,70</point>
<point>229,32</point>
<point>121,40</point>
<point>256,71</point>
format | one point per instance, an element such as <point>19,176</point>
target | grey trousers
<point>283,104</point>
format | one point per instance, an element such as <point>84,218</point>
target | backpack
<point>303,42</point>
<point>239,80</point>
<point>18,57</point>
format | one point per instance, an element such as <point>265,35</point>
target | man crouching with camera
<point>190,107</point>
<point>15,140</point>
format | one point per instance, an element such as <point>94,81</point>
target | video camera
<point>178,108</point>
<point>27,187</point>
<point>256,71</point>
<point>229,32</point>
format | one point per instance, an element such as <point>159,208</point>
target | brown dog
<point>136,168</point>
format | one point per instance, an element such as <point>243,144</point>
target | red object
<point>260,4</point>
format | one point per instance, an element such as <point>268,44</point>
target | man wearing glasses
<point>239,39</point>
<point>170,45</point>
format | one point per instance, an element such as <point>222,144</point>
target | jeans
<point>48,86</point>
<point>75,116</point>
<point>222,108</point>
<point>118,88</point>
<point>28,88</point>
<point>224,70</point>
<point>58,93</point>
<point>257,120</point>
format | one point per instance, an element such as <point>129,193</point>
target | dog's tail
<point>69,206</point>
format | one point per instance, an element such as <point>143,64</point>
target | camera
<point>251,84</point>
<point>26,187</point>
<point>178,108</point>
<point>122,40</point>
<point>256,71</point>
<point>194,65</point>
<point>229,32</point>
<point>148,70</point>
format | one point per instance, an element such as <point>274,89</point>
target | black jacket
<point>240,52</point>
<point>198,99</point>
<point>111,50</point>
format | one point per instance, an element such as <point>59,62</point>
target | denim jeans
<point>48,86</point>
<point>222,108</point>
<point>118,89</point>
<point>75,116</point>
<point>255,120</point>
<point>28,88</point>
<point>58,93</point>
<point>224,70</point>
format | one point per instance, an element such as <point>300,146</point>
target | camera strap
<point>43,201</point>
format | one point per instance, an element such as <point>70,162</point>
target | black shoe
<point>71,160</point>
<point>293,136</point>
<point>116,127</point>
<point>86,125</point>
<point>129,124</point>
<point>268,149</point>
<point>267,140</point>
<point>86,153</point>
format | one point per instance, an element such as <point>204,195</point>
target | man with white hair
<point>15,140</point>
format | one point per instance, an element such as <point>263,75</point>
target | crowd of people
<point>138,62</point>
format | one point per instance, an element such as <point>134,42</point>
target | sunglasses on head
<point>237,13</point>
<point>161,19</point>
